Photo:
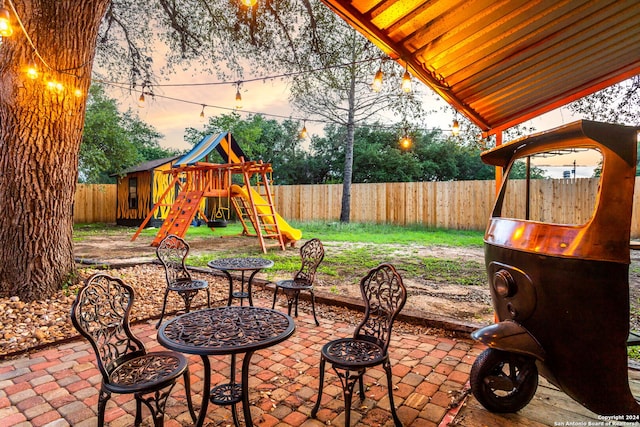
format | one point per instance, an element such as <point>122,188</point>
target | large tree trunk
<point>40,135</point>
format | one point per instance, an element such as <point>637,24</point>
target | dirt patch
<point>463,302</point>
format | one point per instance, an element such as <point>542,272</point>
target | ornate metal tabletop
<point>239,264</point>
<point>242,265</point>
<point>226,331</point>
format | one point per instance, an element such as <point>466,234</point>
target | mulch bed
<point>25,327</point>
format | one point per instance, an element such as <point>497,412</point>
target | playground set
<point>195,180</point>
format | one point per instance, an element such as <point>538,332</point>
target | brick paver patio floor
<point>59,386</point>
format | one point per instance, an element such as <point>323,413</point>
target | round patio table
<point>228,330</point>
<point>243,265</point>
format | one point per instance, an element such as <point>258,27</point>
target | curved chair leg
<point>361,384</point>
<point>348,384</point>
<point>387,369</point>
<point>102,405</point>
<point>313,307</point>
<point>187,391</point>
<point>314,411</point>
<point>187,297</point>
<point>156,402</point>
<point>292,295</point>
<point>164,306</point>
<point>275,295</point>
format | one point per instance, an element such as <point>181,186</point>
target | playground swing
<point>222,212</point>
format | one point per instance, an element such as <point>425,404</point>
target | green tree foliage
<point>619,103</point>
<point>113,141</point>
<point>379,158</point>
<point>519,171</point>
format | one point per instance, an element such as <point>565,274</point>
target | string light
<point>141,101</point>
<point>202,114</point>
<point>249,3</point>
<point>32,70</point>
<point>376,85</point>
<point>406,81</point>
<point>55,86</point>
<point>238,97</point>
<point>455,128</point>
<point>405,142</point>
<point>123,86</point>
<point>5,22</point>
<point>303,132</point>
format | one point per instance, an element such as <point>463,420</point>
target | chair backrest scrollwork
<point>384,295</point>
<point>172,252</point>
<point>311,254</point>
<point>100,313</point>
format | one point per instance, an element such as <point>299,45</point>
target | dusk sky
<point>270,98</point>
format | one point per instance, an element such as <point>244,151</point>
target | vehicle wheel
<point>503,381</point>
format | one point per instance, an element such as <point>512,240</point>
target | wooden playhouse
<point>139,189</point>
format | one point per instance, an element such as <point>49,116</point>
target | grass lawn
<point>362,246</point>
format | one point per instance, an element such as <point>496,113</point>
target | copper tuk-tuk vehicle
<point>560,291</point>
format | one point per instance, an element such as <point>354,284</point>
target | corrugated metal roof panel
<point>503,62</point>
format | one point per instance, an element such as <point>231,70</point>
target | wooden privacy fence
<point>95,203</point>
<point>457,204</point>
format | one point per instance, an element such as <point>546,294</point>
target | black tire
<point>503,381</point>
<point>217,223</point>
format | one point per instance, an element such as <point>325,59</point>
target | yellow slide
<point>290,233</point>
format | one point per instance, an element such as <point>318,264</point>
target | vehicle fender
<point>510,336</point>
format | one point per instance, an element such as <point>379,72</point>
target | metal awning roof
<point>503,62</point>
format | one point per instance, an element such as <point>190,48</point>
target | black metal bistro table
<point>254,265</point>
<point>226,331</point>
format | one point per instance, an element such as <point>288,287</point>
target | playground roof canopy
<point>224,143</point>
<point>501,62</point>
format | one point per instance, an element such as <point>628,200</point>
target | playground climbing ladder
<point>180,215</point>
<point>257,206</point>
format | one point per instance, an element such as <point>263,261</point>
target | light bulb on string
<point>303,132</point>
<point>376,85</point>
<point>5,22</point>
<point>406,81</point>
<point>32,70</point>
<point>238,97</point>
<point>202,114</point>
<point>455,128</point>
<point>405,142</point>
<point>141,101</point>
<point>249,3</point>
<point>55,86</point>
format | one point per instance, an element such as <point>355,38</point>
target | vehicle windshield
<point>558,187</point>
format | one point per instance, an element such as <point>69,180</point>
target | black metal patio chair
<point>311,255</point>
<point>172,253</point>
<point>100,313</point>
<point>384,295</point>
